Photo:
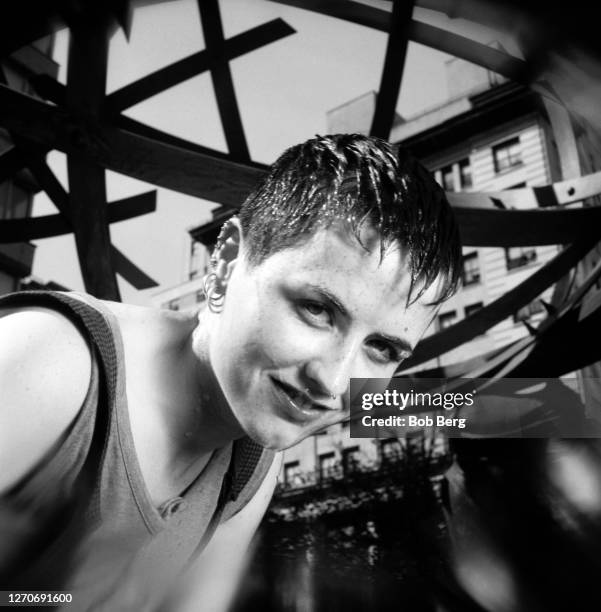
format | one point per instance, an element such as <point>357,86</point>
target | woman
<point>129,435</point>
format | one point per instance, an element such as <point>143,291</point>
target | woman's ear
<point>227,250</point>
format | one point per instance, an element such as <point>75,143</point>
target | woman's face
<point>297,327</point>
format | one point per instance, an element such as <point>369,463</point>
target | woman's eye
<point>384,352</point>
<point>317,311</point>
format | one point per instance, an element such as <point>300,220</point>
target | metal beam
<point>130,272</point>
<point>223,83</point>
<point>509,228</point>
<point>555,333</point>
<point>564,192</point>
<point>48,88</point>
<point>10,163</point>
<point>228,182</point>
<point>486,227</point>
<point>60,198</point>
<point>50,226</point>
<point>503,307</point>
<point>86,85</point>
<point>392,72</point>
<point>565,346</point>
<point>195,64</point>
<point>477,53</point>
<point>423,33</point>
<point>190,172</point>
<point>461,369</point>
<point>141,129</point>
<point>54,91</point>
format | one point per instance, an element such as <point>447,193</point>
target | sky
<point>284,91</point>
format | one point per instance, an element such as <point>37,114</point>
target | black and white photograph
<point>300,306</point>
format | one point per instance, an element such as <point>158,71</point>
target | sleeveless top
<point>82,521</point>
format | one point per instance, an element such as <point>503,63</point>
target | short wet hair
<point>356,179</point>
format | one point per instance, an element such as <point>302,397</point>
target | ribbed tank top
<point>82,521</point>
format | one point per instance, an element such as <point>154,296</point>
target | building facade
<point>496,139</point>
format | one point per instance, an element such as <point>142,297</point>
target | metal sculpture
<point>89,127</point>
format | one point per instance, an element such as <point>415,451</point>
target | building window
<point>524,313</point>
<point>456,176</point>
<point>448,183</point>
<point>292,474</point>
<point>198,260</point>
<point>390,451</point>
<point>507,155</point>
<point>350,459</point>
<point>447,319</point>
<point>516,257</point>
<point>465,174</point>
<point>327,466</point>
<point>471,269</point>
<point>473,308</point>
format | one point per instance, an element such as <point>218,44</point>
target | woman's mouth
<point>297,403</point>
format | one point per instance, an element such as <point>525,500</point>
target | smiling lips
<point>301,406</point>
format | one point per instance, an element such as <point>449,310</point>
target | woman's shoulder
<point>36,338</point>
<point>132,317</point>
<point>45,371</point>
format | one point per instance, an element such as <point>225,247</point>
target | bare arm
<point>212,582</point>
<point>45,368</point>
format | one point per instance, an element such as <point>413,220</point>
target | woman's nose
<point>329,375</point>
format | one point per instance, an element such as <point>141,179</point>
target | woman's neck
<point>213,424</point>
<point>169,372</point>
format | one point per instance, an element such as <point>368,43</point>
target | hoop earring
<point>215,299</point>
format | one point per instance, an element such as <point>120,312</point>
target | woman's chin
<point>277,440</point>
